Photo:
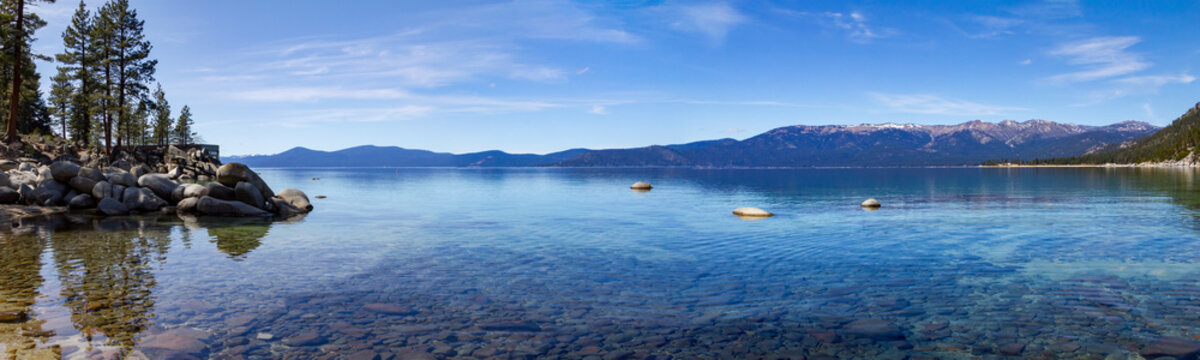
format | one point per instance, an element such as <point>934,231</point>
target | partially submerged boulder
<point>752,212</point>
<point>296,198</point>
<point>159,184</point>
<point>112,207</point>
<point>209,205</point>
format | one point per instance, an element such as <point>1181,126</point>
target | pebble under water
<point>570,263</point>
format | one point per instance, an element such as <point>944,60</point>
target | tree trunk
<point>14,99</point>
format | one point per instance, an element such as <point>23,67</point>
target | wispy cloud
<point>310,94</point>
<point>853,24</point>
<point>713,20</point>
<point>937,105</point>
<point>1157,80</point>
<point>1101,58</point>
<point>599,110</point>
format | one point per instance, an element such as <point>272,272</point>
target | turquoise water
<point>487,263</point>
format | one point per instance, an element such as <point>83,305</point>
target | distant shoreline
<point>1110,165</point>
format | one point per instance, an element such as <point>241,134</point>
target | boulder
<point>284,208</point>
<point>122,178</point>
<point>112,207</point>
<point>232,173</point>
<point>140,170</point>
<point>175,173</point>
<point>875,329</point>
<point>221,192</point>
<point>249,194</point>
<point>4,180</point>
<point>49,193</point>
<point>43,173</point>
<point>26,192</point>
<point>122,164</point>
<point>641,186</point>
<point>871,203</point>
<point>83,184</point>
<point>82,201</point>
<point>27,166</point>
<point>177,194</point>
<point>295,197</point>
<point>159,184</point>
<point>209,205</point>
<point>9,196</point>
<point>91,173</point>
<point>752,212</point>
<point>18,178</point>
<point>6,165</point>
<point>187,205</point>
<point>64,170</point>
<point>1173,346</point>
<point>142,199</point>
<point>195,191</point>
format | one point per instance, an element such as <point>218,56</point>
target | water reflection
<point>235,237</point>
<point>20,262</point>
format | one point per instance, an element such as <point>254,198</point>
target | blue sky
<point>543,76</point>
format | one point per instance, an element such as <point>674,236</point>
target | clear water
<point>487,263</point>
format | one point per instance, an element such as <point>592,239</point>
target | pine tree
<point>129,67</point>
<point>26,110</point>
<point>61,94</point>
<point>80,58</point>
<point>183,129</point>
<point>162,118</point>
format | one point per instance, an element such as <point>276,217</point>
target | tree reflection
<point>106,276</point>
<point>235,237</point>
<point>20,278</point>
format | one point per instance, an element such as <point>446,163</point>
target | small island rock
<point>752,212</point>
<point>641,186</point>
<point>871,203</point>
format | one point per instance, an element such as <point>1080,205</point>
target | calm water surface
<point>499,263</point>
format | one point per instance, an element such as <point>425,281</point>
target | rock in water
<point>81,201</point>
<point>63,171</point>
<point>641,186</point>
<point>8,195</point>
<point>284,208</point>
<point>112,207</point>
<point>232,173</point>
<point>1173,346</point>
<point>295,197</point>
<point>875,329</point>
<point>249,194</point>
<point>209,205</point>
<point>752,212</point>
<point>216,190</point>
<point>142,199</point>
<point>159,184</point>
<point>871,203</point>
<point>187,205</point>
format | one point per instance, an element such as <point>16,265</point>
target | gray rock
<point>4,180</point>
<point>142,199</point>
<point>49,193</point>
<point>122,178</point>
<point>27,166</point>
<point>91,173</point>
<point>8,195</point>
<point>875,329</point>
<point>195,191</point>
<point>122,164</point>
<point>232,173</point>
<point>219,191</point>
<point>18,178</point>
<point>83,184</point>
<point>187,205</point>
<point>43,173</point>
<point>249,194</point>
<point>175,173</point>
<point>209,205</point>
<point>112,207</point>
<point>177,194</point>
<point>871,203</point>
<point>6,165</point>
<point>26,192</point>
<point>1174,346</point>
<point>295,197</point>
<point>82,201</point>
<point>159,184</point>
<point>64,170</point>
<point>140,170</point>
<point>284,208</point>
<point>102,190</point>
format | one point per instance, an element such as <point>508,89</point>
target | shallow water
<point>486,263</point>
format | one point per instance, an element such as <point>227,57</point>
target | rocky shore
<point>170,180</point>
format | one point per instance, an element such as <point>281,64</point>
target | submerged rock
<point>875,329</point>
<point>871,203</point>
<point>752,212</point>
<point>1173,346</point>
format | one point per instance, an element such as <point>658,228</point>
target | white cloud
<point>582,71</point>
<point>1101,57</point>
<point>853,24</point>
<point>310,94</point>
<point>1149,112</point>
<point>1157,80</point>
<point>1025,62</point>
<point>713,20</point>
<point>598,110</point>
<point>937,105</point>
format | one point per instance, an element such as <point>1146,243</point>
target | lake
<point>554,263</point>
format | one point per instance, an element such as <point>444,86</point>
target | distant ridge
<point>1176,144</point>
<point>877,145</point>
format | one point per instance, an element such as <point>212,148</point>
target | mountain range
<point>877,145</point>
<point>1175,144</point>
